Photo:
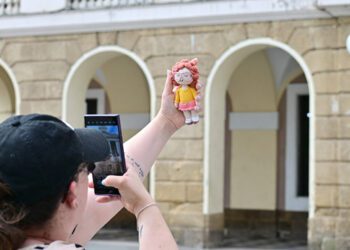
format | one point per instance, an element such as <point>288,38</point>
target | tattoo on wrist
<point>136,165</point>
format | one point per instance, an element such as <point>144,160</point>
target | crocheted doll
<point>184,75</point>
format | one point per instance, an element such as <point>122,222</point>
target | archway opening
<point>110,80</point>
<point>259,101</point>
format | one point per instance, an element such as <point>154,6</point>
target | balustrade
<point>13,7</point>
<point>93,4</point>
<point>9,7</point>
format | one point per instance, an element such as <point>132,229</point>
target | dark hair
<point>15,217</point>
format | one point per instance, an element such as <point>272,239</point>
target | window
<point>95,101</point>
<point>303,146</point>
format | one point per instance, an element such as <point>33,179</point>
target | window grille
<point>95,4</point>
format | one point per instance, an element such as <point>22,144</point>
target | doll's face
<point>183,77</point>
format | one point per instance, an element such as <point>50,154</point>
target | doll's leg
<point>194,116</point>
<point>188,119</point>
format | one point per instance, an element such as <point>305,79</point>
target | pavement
<point>116,239</point>
<point>131,245</point>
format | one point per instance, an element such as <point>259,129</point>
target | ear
<point>71,199</point>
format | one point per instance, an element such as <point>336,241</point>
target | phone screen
<point>115,163</point>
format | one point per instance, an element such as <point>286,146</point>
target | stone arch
<point>218,80</point>
<point>9,84</point>
<point>76,81</point>
<point>89,61</point>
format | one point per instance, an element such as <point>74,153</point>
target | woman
<point>45,202</point>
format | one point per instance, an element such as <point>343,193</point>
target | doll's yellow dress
<point>186,98</point>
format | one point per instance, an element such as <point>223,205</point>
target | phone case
<point>115,163</point>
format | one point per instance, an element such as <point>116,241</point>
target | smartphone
<point>115,162</point>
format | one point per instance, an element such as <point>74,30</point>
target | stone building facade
<point>187,182</point>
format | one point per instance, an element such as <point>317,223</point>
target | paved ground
<point>127,245</point>
<point>127,240</point>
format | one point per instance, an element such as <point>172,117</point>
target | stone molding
<point>158,16</point>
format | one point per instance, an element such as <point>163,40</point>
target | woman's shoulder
<point>57,245</point>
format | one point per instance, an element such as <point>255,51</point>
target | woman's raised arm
<point>141,152</point>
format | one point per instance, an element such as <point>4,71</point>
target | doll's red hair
<point>191,65</point>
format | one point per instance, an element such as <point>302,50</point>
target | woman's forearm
<point>142,150</point>
<point>153,231</point>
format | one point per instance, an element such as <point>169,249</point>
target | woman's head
<point>18,219</point>
<point>185,72</point>
<point>41,167</point>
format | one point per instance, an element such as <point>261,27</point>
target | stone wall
<point>41,65</point>
<point>266,224</point>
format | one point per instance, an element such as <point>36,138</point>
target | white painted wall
<point>253,121</point>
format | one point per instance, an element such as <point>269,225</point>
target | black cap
<point>40,154</point>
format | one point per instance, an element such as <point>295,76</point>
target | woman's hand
<point>167,108</point>
<point>133,194</point>
<point>153,230</point>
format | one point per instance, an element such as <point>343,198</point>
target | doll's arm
<point>200,92</point>
<point>177,98</point>
<point>194,93</point>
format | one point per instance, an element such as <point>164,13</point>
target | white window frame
<point>98,94</point>
<point>292,201</point>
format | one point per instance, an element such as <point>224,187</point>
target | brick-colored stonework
<point>41,65</point>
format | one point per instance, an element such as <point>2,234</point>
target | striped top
<point>57,245</point>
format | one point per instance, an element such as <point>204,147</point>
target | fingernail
<point>168,72</point>
<point>103,182</point>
